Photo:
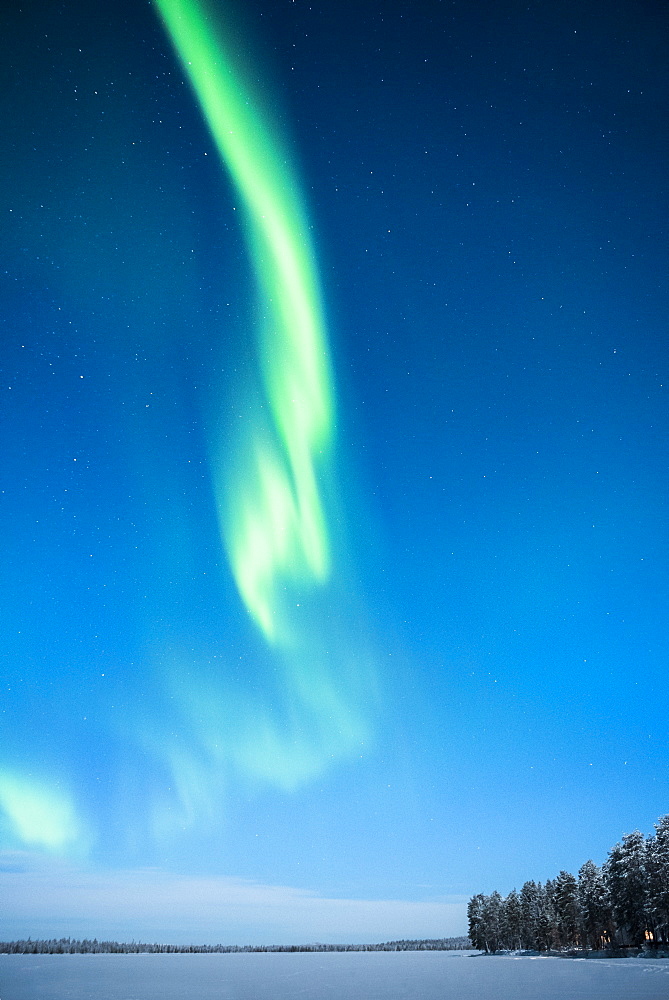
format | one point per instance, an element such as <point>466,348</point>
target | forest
<point>68,946</point>
<point>622,905</point>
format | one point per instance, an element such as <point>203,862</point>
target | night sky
<point>334,479</point>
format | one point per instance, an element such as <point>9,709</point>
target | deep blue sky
<point>487,188</point>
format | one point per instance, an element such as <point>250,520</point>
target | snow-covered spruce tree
<point>547,929</point>
<point>492,922</point>
<point>627,880</point>
<point>565,902</point>
<point>595,916</point>
<point>657,862</point>
<point>529,913</point>
<point>475,921</point>
<point>512,921</point>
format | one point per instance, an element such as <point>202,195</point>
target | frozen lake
<point>336,975</point>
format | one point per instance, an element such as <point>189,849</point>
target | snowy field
<point>340,976</point>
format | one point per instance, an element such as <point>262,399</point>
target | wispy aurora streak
<point>39,813</point>
<point>272,509</point>
<point>275,530</point>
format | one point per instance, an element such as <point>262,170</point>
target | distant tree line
<point>625,903</point>
<point>68,946</point>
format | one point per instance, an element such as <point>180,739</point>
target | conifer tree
<point>529,909</point>
<point>512,921</point>
<point>546,934</point>
<point>627,880</point>
<point>595,916</point>
<point>475,921</point>
<point>565,900</point>
<point>658,879</point>
<point>492,922</point>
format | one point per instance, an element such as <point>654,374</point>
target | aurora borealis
<point>278,530</point>
<point>335,448</point>
<point>272,508</point>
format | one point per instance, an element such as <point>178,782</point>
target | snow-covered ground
<point>340,976</point>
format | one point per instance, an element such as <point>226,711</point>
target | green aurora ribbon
<point>275,530</point>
